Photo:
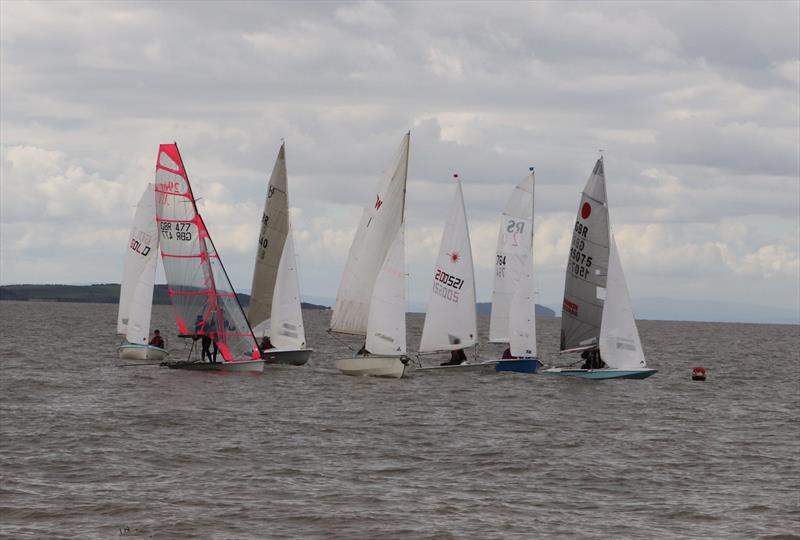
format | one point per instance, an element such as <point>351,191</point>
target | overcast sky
<point>696,106</point>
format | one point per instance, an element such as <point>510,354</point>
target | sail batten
<point>587,266</point>
<point>204,302</point>
<point>380,221</point>
<point>139,272</point>
<point>271,241</point>
<point>451,320</point>
<point>513,246</point>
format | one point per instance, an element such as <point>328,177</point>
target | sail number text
<point>180,231</point>
<point>579,263</point>
<point>446,285</point>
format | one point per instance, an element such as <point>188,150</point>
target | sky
<point>696,107</point>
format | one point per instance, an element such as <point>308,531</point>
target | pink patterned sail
<point>203,299</point>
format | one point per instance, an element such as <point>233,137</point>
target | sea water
<point>89,449</point>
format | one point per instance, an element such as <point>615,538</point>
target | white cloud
<point>698,122</point>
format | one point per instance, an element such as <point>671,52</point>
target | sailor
<point>266,344</point>
<point>209,338</point>
<point>457,356</point>
<point>157,340</point>
<point>507,354</point>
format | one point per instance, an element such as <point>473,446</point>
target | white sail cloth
<point>620,346</point>
<point>514,244</point>
<point>139,272</point>
<point>450,322</point>
<point>286,323</point>
<point>386,324</point>
<point>380,221</point>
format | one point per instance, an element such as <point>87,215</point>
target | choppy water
<point>93,450</point>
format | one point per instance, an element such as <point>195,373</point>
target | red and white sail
<point>203,299</point>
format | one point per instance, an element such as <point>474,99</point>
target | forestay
<point>513,247</point>
<point>286,323</point>
<point>203,299</point>
<point>380,221</point>
<point>139,272</point>
<point>271,241</point>
<point>584,286</point>
<point>450,322</point>
<point>386,324</point>
<point>620,346</point>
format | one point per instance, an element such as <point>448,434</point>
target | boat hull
<point>602,374</point>
<point>519,365</point>
<point>289,357</point>
<point>392,367</point>
<point>488,365</point>
<point>236,366</point>
<point>134,351</point>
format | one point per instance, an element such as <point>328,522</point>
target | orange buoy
<point>699,374</point>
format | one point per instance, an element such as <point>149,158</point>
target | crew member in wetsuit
<point>209,338</point>
<point>266,343</point>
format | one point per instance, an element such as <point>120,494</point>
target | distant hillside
<point>105,293</point>
<point>485,308</point>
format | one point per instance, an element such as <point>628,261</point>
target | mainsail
<point>585,283</point>
<point>286,323</point>
<point>271,240</point>
<point>450,322</point>
<point>386,324</point>
<point>513,247</point>
<point>620,346</point>
<point>203,299</point>
<point>380,221</point>
<point>139,272</point>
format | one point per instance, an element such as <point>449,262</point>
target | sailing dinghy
<point>597,317</point>
<point>275,294</point>
<point>370,301</point>
<point>513,318</point>
<point>205,305</point>
<point>138,279</point>
<point>451,320</point>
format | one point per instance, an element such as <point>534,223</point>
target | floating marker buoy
<point>699,374</point>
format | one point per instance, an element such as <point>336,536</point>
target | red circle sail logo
<point>586,210</point>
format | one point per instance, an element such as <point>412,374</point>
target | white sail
<point>386,324</point>
<point>380,221</point>
<point>513,247</point>
<point>271,241</point>
<point>139,272</point>
<point>522,312</point>
<point>620,346</point>
<point>286,323</point>
<point>450,322</point>
<point>585,282</point>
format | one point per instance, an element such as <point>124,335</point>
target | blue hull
<point>521,365</point>
<point>602,374</point>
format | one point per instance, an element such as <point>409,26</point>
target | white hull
<point>133,351</point>
<point>393,367</point>
<point>290,357</point>
<point>236,366</point>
